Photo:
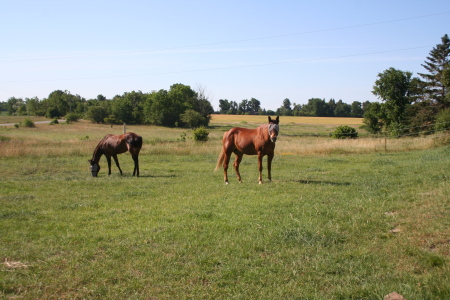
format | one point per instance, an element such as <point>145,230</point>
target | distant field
<point>285,120</point>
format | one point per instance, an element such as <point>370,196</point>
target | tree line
<point>407,103</point>
<point>315,107</point>
<point>178,106</point>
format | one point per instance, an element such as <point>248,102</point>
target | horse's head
<point>274,128</point>
<point>94,167</point>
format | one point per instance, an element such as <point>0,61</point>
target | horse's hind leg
<point>226,161</point>
<point>237,161</point>
<point>117,164</point>
<point>136,165</point>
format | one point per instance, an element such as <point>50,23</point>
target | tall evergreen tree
<point>437,62</point>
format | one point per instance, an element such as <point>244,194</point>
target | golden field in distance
<point>286,120</point>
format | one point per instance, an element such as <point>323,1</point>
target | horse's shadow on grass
<point>321,182</point>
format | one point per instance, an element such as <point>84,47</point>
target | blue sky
<point>235,50</point>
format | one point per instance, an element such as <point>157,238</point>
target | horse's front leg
<point>117,164</point>
<point>260,167</point>
<point>269,165</point>
<point>108,159</point>
<point>237,161</point>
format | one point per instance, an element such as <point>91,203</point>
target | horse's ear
<point>270,120</point>
<point>278,119</point>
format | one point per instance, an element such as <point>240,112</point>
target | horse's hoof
<point>260,182</point>
<point>227,183</point>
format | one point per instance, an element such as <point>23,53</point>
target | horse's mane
<point>98,148</point>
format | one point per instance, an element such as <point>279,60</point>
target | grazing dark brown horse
<point>111,145</point>
<point>240,141</point>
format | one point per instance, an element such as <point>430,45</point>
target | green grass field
<point>342,220</point>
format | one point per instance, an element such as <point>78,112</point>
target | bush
<point>54,121</point>
<point>27,123</point>
<point>72,117</point>
<point>344,132</point>
<point>201,134</point>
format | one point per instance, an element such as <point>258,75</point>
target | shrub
<point>201,134</point>
<point>72,117</point>
<point>54,121</point>
<point>344,131</point>
<point>27,123</point>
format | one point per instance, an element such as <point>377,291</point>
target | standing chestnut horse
<point>111,145</point>
<point>240,141</point>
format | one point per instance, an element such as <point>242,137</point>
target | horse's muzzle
<point>273,139</point>
<point>94,174</point>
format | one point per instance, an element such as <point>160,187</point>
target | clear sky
<point>235,50</point>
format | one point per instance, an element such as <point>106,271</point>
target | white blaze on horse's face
<point>273,132</point>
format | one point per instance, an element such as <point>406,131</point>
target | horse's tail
<point>222,153</point>
<point>220,160</point>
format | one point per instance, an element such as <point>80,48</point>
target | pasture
<point>341,220</point>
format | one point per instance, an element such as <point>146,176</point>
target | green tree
<point>111,120</point>
<point>56,105</point>
<point>254,105</point>
<point>243,106</point>
<point>122,109</point>
<point>316,107</point>
<point>96,114</point>
<point>224,106</point>
<point>342,109</point>
<point>443,120</point>
<point>13,105</point>
<point>33,106</point>
<point>165,107</point>
<point>357,110</point>
<point>128,107</point>
<point>233,108</point>
<point>296,109</point>
<point>285,109</point>
<point>397,90</point>
<point>436,64</point>
<point>373,117</point>
<point>201,104</point>
<point>331,106</point>
<point>192,118</point>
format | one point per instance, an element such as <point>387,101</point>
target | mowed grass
<point>332,225</point>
